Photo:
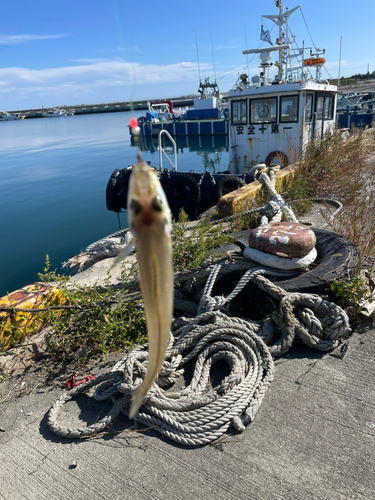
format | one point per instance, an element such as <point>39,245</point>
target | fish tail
<point>137,400</point>
<point>124,252</point>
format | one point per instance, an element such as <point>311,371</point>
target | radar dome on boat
<point>265,57</point>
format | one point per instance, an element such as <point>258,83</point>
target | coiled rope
<point>198,413</point>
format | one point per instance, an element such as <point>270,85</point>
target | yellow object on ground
<point>14,326</point>
<point>243,199</point>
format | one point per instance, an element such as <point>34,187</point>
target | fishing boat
<point>5,116</point>
<point>208,116</point>
<point>53,113</point>
<point>355,109</point>
<point>269,114</point>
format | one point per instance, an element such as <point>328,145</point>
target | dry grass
<point>337,166</point>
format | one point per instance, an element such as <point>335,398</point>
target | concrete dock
<point>313,438</point>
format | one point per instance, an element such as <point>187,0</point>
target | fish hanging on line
<point>150,222</point>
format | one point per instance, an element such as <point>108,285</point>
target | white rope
<point>198,413</point>
<point>103,249</point>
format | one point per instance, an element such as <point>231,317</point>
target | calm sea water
<point>53,175</point>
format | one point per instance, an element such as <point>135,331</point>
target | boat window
<point>309,101</point>
<point>263,110</point>
<point>289,108</point>
<point>328,108</point>
<point>319,107</point>
<point>324,107</point>
<point>239,112</point>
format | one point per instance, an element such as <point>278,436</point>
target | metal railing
<point>161,150</point>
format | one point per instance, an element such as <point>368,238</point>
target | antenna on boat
<point>196,44</point>
<point>213,58</point>
<point>247,57</point>
<point>338,79</point>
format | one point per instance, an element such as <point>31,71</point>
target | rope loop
<point>201,411</point>
<point>198,413</point>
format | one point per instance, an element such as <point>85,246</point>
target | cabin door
<point>323,114</point>
<point>318,117</point>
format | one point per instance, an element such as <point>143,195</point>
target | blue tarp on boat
<point>203,114</point>
<point>150,115</point>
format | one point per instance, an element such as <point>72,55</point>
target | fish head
<point>147,204</point>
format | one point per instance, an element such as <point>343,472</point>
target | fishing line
<point>213,57</point>
<point>196,44</point>
<point>130,73</point>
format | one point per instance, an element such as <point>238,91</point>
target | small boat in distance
<point>5,116</point>
<point>53,113</point>
<point>206,118</point>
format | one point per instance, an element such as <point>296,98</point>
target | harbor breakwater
<point>88,109</point>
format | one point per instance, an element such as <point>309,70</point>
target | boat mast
<point>279,4</point>
<point>280,20</point>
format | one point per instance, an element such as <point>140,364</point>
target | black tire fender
<point>182,191</point>
<point>337,257</point>
<point>125,178</point>
<point>227,184</point>
<point>113,192</point>
<point>117,189</point>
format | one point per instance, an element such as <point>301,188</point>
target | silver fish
<point>150,222</point>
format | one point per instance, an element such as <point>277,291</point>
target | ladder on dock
<point>163,152</point>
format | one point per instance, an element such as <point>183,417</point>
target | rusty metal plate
<point>285,239</point>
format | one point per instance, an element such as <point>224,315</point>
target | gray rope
<point>318,323</point>
<point>199,414</point>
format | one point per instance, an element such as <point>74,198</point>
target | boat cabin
<point>266,122</point>
<point>273,114</point>
<point>159,110</point>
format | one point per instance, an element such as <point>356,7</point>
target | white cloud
<point>91,76</point>
<point>17,39</point>
<point>335,64</point>
<point>105,70</point>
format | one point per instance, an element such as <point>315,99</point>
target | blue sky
<point>55,52</point>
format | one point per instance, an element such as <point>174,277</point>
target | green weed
<point>110,320</point>
<point>351,294</point>
<point>107,322</point>
<point>194,245</point>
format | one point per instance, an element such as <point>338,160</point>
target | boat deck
<point>218,126</point>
